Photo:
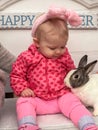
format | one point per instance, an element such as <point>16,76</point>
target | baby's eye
<point>62,47</point>
<point>52,48</point>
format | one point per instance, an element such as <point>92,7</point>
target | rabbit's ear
<point>89,67</point>
<point>83,61</point>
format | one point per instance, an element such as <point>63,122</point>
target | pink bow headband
<point>68,16</point>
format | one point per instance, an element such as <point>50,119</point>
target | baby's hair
<point>52,25</point>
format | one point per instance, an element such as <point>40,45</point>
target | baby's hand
<point>27,93</point>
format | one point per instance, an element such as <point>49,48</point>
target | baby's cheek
<point>48,53</point>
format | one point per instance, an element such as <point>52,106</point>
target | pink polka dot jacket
<point>43,75</point>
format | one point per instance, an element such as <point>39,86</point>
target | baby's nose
<point>58,51</point>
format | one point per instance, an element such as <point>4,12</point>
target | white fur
<point>87,93</point>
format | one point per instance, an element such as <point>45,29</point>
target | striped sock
<point>87,123</point>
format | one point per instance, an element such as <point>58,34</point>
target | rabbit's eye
<point>76,76</point>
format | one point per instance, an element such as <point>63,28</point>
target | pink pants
<point>68,104</point>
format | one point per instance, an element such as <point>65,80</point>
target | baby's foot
<point>29,127</point>
<point>93,127</point>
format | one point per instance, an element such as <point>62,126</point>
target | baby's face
<point>52,37</point>
<point>53,48</point>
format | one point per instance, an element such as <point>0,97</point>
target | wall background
<point>80,41</point>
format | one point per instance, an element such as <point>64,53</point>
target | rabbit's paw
<point>95,112</point>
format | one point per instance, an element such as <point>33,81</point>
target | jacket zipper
<point>47,81</point>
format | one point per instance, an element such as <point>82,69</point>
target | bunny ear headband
<point>68,16</point>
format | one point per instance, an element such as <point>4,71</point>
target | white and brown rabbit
<point>83,84</point>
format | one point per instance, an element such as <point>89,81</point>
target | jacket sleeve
<point>18,77</point>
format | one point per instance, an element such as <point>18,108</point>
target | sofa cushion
<point>8,120</point>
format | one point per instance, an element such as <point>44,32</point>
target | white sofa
<point>8,119</point>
